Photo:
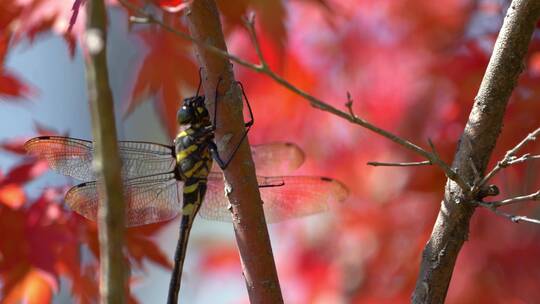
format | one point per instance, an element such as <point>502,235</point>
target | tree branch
<point>263,68</point>
<point>476,145</point>
<point>113,278</point>
<point>242,188</point>
<point>510,158</point>
<point>512,217</point>
<point>509,201</point>
<point>523,158</point>
<point>404,164</point>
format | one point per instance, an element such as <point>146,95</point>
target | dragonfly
<point>163,181</point>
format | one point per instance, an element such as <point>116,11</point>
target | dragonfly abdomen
<point>193,195</point>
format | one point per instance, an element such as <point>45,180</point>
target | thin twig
<point>523,158</point>
<point>520,218</point>
<point>250,25</point>
<point>349,104</point>
<point>404,164</point>
<point>263,68</point>
<point>512,217</point>
<point>509,159</point>
<point>529,197</point>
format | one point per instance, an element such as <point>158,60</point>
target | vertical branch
<point>476,145</point>
<point>242,189</point>
<point>106,161</point>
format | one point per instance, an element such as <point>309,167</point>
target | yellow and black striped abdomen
<point>193,195</point>
<point>193,162</point>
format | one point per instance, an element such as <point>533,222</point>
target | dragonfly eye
<point>185,115</point>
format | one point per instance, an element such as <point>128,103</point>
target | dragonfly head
<point>193,111</point>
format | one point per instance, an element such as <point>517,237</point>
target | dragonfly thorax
<point>193,158</point>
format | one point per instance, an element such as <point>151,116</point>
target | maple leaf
<point>35,234</point>
<point>42,236</point>
<point>16,145</point>
<point>75,9</point>
<point>27,19</point>
<point>139,243</point>
<point>25,172</point>
<point>12,195</point>
<point>143,248</point>
<point>9,11</point>
<point>11,87</point>
<point>33,287</point>
<point>218,256</point>
<point>166,68</point>
<point>271,17</point>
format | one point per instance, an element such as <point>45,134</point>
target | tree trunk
<point>113,279</point>
<point>474,150</point>
<point>242,189</point>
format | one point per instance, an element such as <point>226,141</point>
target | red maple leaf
<point>32,238</point>
<point>16,145</point>
<point>25,172</point>
<point>10,85</point>
<point>139,243</point>
<point>166,68</point>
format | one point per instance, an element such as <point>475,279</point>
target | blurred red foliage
<point>412,67</point>
<point>41,241</point>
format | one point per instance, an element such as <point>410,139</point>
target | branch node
<point>510,158</point>
<point>491,190</point>
<point>349,105</point>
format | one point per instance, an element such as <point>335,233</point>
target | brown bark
<point>475,148</point>
<point>242,190</point>
<point>113,281</point>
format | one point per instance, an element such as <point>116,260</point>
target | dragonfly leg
<point>213,147</point>
<point>251,118</point>
<point>215,155</point>
<point>200,81</point>
<point>214,125</point>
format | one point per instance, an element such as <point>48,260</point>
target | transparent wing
<point>280,158</point>
<point>283,197</point>
<point>73,157</point>
<point>148,199</point>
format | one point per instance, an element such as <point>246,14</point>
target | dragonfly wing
<point>67,156</point>
<point>144,158</point>
<point>73,157</point>
<point>275,159</point>
<point>283,197</point>
<point>148,199</point>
